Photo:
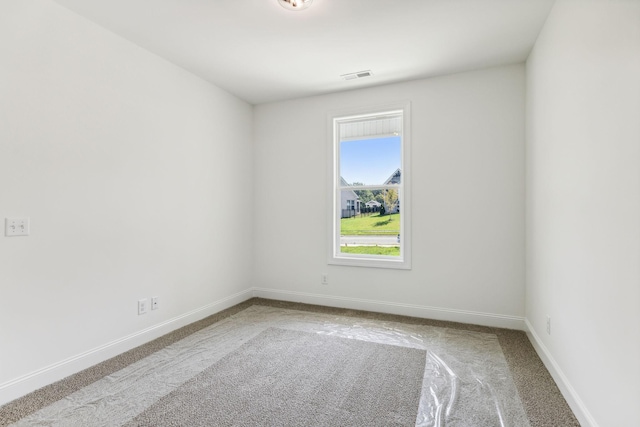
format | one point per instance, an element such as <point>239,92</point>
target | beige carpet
<point>512,378</point>
<point>293,378</point>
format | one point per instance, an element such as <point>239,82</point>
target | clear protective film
<point>466,379</point>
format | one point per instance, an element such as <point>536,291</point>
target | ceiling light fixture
<point>295,4</point>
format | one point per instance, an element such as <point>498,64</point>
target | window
<point>369,180</point>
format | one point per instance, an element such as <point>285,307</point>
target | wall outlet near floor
<point>154,303</point>
<point>143,306</point>
<point>324,279</point>
<point>548,325</point>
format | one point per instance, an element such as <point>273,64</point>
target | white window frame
<point>335,257</point>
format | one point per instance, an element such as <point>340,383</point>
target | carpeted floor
<point>280,378</point>
<point>507,360</point>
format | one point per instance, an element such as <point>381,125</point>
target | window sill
<point>382,262</point>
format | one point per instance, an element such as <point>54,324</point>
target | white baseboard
<point>24,384</point>
<point>20,386</point>
<point>577,406</point>
<point>437,313</point>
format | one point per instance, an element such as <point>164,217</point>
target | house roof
<point>394,178</point>
<point>344,183</point>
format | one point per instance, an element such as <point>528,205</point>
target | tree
<point>390,199</point>
<point>363,195</point>
<point>379,196</point>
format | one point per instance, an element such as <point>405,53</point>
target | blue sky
<point>370,161</point>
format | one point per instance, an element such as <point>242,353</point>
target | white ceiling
<point>262,52</point>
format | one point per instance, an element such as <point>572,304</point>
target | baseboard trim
<point>24,384</point>
<point>437,313</point>
<point>571,396</point>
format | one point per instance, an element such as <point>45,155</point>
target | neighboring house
<point>350,202</point>
<point>393,179</point>
<point>373,204</point>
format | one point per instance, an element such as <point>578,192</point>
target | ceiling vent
<point>358,75</point>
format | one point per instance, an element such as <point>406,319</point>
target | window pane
<point>371,161</point>
<point>370,153</point>
<point>373,227</point>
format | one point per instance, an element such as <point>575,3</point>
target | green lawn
<point>370,225</point>
<point>371,250</point>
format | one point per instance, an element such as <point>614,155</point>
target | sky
<point>369,161</point>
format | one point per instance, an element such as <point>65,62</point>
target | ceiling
<point>262,52</point>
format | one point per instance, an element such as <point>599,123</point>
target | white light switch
<point>16,226</point>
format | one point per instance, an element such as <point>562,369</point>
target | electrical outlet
<point>548,325</point>
<point>143,306</point>
<point>16,226</point>
<point>154,303</point>
<point>324,279</point>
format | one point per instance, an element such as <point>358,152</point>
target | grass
<point>370,225</point>
<point>371,250</point>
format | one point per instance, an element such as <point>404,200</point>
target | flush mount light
<point>295,4</point>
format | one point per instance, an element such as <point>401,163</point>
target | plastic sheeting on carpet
<point>466,381</point>
<point>293,378</point>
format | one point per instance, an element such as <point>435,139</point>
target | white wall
<point>468,201</point>
<point>583,205</point>
<point>137,178</point>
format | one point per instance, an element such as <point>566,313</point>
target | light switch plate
<point>16,226</point>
